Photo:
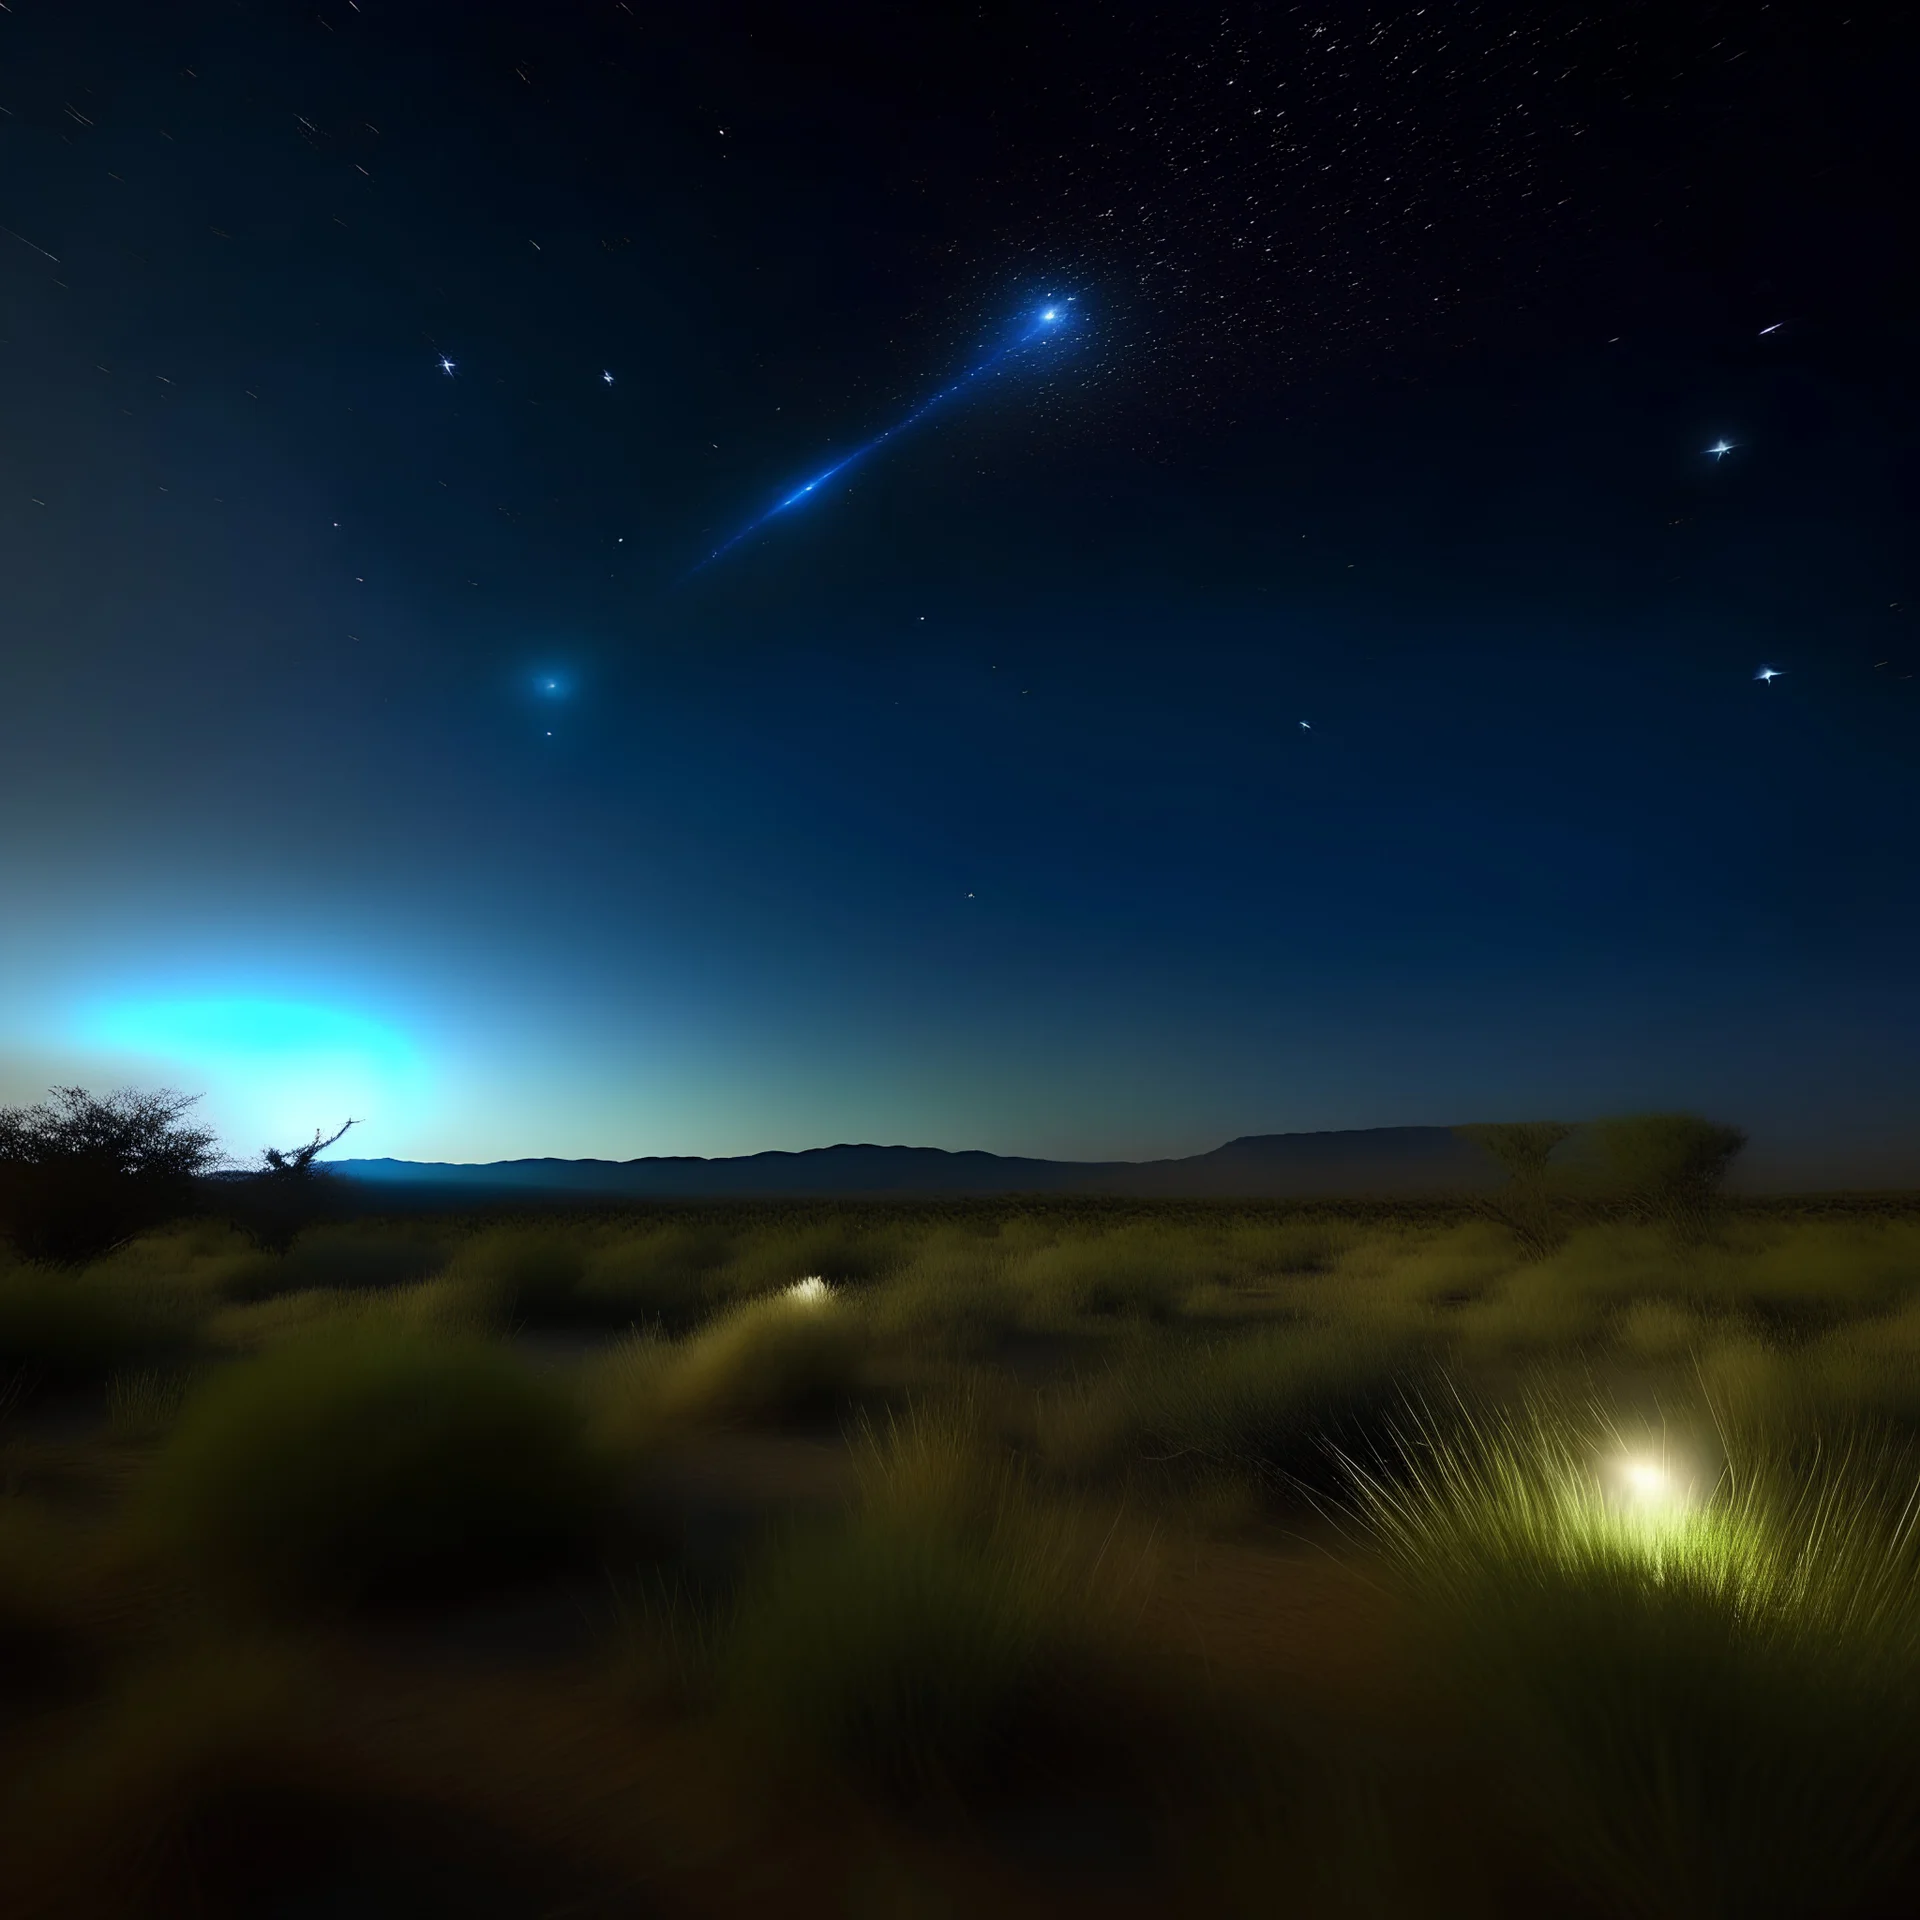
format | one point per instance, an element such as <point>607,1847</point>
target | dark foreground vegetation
<point>1552,1554</point>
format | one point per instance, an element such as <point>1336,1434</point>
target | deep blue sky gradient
<point>969,806</point>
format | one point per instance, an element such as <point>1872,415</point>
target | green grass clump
<point>355,1256</point>
<point>897,1651</point>
<point>955,1298</point>
<point>523,1275</point>
<point>446,1304</point>
<point>1700,1702</point>
<point>842,1251</point>
<point>622,1391</point>
<point>193,1265</point>
<point>1135,1274</point>
<point>1290,1248</point>
<point>366,1465</point>
<point>1806,1277</point>
<point>908,1646</point>
<point>663,1278</point>
<point>143,1404</point>
<point>1277,1399</point>
<point>67,1326</point>
<point>785,1357</point>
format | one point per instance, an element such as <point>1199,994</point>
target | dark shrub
<point>372,1467</point>
<point>1669,1167</point>
<point>80,1173</point>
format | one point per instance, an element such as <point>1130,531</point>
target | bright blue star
<point>1768,674</point>
<point>446,366</point>
<point>608,378</point>
<point>1720,449</point>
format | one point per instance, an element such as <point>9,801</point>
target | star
<point>446,366</point>
<point>1306,726</point>
<point>607,377</point>
<point>1768,674</point>
<point>1720,449</point>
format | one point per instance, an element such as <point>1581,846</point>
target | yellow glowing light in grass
<point>1651,1488</point>
<point>1648,1479</point>
<point>810,1292</point>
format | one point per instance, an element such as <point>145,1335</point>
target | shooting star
<point>25,242</point>
<point>1042,324</point>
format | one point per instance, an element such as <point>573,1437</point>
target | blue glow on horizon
<point>270,1067</point>
<point>1045,323</point>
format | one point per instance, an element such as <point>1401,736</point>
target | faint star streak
<point>1043,325</point>
<point>25,242</point>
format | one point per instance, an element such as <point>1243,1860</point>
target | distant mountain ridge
<point>1388,1162</point>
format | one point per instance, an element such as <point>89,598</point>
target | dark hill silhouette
<point>1388,1162</point>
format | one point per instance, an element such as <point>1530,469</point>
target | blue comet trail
<point>1042,324</point>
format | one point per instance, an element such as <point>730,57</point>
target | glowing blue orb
<point>271,1069</point>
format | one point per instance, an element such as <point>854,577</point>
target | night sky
<point>1311,684</point>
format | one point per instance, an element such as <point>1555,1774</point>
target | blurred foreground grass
<point>921,1559</point>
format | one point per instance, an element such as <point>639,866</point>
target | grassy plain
<point>1060,1557</point>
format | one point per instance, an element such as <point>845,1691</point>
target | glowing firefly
<point>1043,323</point>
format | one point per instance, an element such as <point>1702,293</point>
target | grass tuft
<point>1701,1699</point>
<point>373,1466</point>
<point>911,1646</point>
<point>769,1361</point>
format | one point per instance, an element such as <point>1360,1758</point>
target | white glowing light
<point>1652,1487</point>
<point>1720,449</point>
<point>810,1292</point>
<point>446,366</point>
<point>1768,674</point>
<point>608,378</point>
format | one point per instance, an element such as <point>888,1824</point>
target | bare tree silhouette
<point>296,1163</point>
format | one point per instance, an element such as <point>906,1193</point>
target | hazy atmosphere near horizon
<point>1080,581</point>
